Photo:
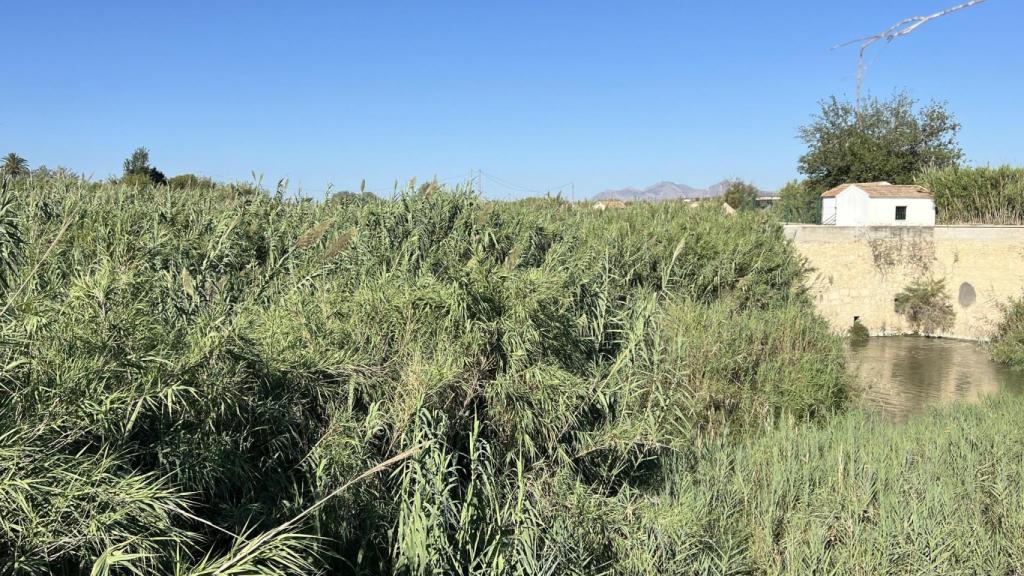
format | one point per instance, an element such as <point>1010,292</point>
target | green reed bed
<point>981,195</point>
<point>939,494</point>
<point>224,381</point>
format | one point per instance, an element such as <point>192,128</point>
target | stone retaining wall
<point>857,272</point>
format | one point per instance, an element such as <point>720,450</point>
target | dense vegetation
<point>892,140</point>
<point>217,380</point>
<point>187,373</point>
<point>937,494</point>
<point>799,202</point>
<point>873,140</point>
<point>981,195</point>
<point>1008,343</point>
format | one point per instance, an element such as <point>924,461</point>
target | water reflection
<point>904,374</point>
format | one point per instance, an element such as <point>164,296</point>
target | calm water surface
<point>905,374</point>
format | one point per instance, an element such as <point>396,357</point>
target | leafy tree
<point>741,195</point>
<point>14,166</point>
<point>800,202</point>
<point>137,169</point>
<point>137,163</point>
<point>879,140</point>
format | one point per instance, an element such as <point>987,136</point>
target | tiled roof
<point>883,190</point>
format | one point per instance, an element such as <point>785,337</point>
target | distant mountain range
<point>667,191</point>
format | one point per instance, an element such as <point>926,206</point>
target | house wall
<point>852,207</point>
<point>828,210</point>
<point>857,271</point>
<point>882,212</point>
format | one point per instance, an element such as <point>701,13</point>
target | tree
<point>138,170</point>
<point>740,195</point>
<point>799,202</point>
<point>880,140</point>
<point>14,166</point>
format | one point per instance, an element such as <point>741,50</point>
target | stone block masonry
<point>857,272</point>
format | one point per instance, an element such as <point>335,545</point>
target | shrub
<point>858,333</point>
<point>926,306</point>
<point>1008,342</point>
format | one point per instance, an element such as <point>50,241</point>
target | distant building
<point>878,204</point>
<point>605,204</point>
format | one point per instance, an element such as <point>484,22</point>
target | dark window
<point>901,212</point>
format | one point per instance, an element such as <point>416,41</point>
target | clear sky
<point>535,93</point>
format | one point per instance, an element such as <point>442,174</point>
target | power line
<point>519,188</point>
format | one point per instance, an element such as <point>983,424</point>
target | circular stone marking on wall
<point>967,295</point>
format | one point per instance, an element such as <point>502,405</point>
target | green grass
<point>939,494</point>
<point>218,380</point>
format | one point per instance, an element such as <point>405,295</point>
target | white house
<point>878,204</point>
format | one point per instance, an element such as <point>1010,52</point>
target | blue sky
<point>537,94</point>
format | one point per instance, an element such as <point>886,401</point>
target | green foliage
<point>137,169</point>
<point>741,195</point>
<point>877,140</point>
<point>222,381</point>
<point>858,333</point>
<point>13,166</point>
<point>977,195</point>
<point>74,512</point>
<point>937,494</point>
<point>190,181</point>
<point>741,369</point>
<point>1008,342</point>
<point>799,202</point>
<point>529,380</point>
<point>926,305</point>
<point>11,241</point>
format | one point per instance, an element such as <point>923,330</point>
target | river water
<point>905,374</point>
